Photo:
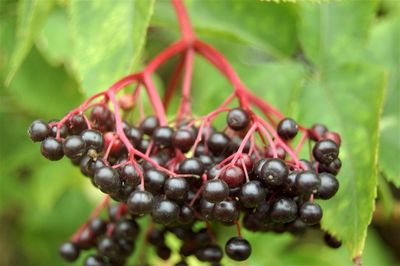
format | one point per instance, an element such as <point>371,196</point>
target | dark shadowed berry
<point>191,166</point>
<point>63,129</point>
<point>329,186</point>
<point>108,247</point>
<point>140,202</point>
<point>107,179</point>
<point>74,146</point>
<point>317,131</point>
<point>210,253</point>
<point>331,241</point>
<point>284,210</point>
<point>233,176</point>
<point>76,124</point>
<point>310,213</point>
<point>162,136</point>
<point>218,142</point>
<point>52,149</point>
<point>126,228</point>
<point>38,130</point>
<point>183,139</point>
<point>97,226</point>
<point>332,167</point>
<point>274,172</point>
<point>165,212</point>
<point>307,182</point>
<point>176,188</point>
<point>93,139</point>
<point>186,215</point>
<point>215,190</point>
<point>287,128</point>
<point>252,194</point>
<point>154,180</point>
<point>237,119</point>
<point>163,252</point>
<point>206,209</point>
<point>69,251</point>
<point>134,135</point>
<point>325,151</point>
<point>129,174</point>
<point>238,249</point>
<point>149,124</point>
<point>94,260</point>
<point>226,211</point>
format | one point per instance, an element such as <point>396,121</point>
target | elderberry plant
<point>185,171</point>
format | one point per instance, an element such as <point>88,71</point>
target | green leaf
<point>31,16</point>
<point>55,41</point>
<point>348,99</point>
<point>383,49</point>
<point>108,38</point>
<point>269,27</point>
<point>43,90</point>
<point>334,31</point>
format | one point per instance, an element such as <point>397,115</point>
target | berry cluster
<point>219,178</point>
<point>187,173</point>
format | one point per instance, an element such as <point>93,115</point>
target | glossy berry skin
<point>130,175</point>
<point>107,179</point>
<point>165,212</point>
<point>284,210</point>
<point>162,136</point>
<point>329,186</point>
<point>108,247</point>
<point>154,181</point>
<point>257,168</point>
<point>38,130</point>
<point>237,119</point>
<point>74,146</point>
<point>126,228</point>
<point>76,124</point>
<point>186,215</point>
<point>226,211</point>
<point>310,213</point>
<point>93,139</point>
<point>69,251</point>
<point>331,241</point>
<point>335,137</point>
<point>280,152</point>
<point>163,252</point>
<point>140,202</point>
<point>63,129</point>
<point>289,187</point>
<point>52,149</point>
<point>149,124</point>
<point>238,249</point>
<point>134,135</point>
<point>94,260</point>
<point>176,188</point>
<point>218,143</point>
<point>317,131</point>
<point>206,209</point>
<point>89,166</point>
<point>183,139</point>
<point>333,167</point>
<point>191,166</point>
<point>307,182</point>
<point>287,129</point>
<point>215,190</point>
<point>325,151</point>
<point>210,253</point>
<point>233,176</point>
<point>245,160</point>
<point>274,172</point>
<point>97,226</point>
<point>252,194</point>
<point>102,118</point>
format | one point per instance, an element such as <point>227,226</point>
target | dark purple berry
<point>215,190</point>
<point>287,128</point>
<point>74,146</point>
<point>325,151</point>
<point>238,249</point>
<point>38,130</point>
<point>237,119</point>
<point>69,251</point>
<point>140,202</point>
<point>310,213</point>
<point>52,149</point>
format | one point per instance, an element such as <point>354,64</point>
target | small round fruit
<point>284,210</point>
<point>287,128</point>
<point>331,241</point>
<point>317,131</point>
<point>176,188</point>
<point>149,124</point>
<point>74,146</point>
<point>237,119</point>
<point>252,194</point>
<point>209,253</point>
<point>226,211</point>
<point>154,180</point>
<point>325,151</point>
<point>310,213</point>
<point>93,139</point>
<point>218,143</point>
<point>52,149</point>
<point>140,202</point>
<point>107,179</point>
<point>307,182</point>
<point>274,172</point>
<point>238,249</point>
<point>94,260</point>
<point>69,251</point>
<point>165,212</point>
<point>215,190</point>
<point>162,136</point>
<point>233,176</point>
<point>191,166</point>
<point>183,139</point>
<point>329,186</point>
<point>38,130</point>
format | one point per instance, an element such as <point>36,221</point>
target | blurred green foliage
<point>332,62</point>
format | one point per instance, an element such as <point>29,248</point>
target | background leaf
<point>108,37</point>
<point>31,16</point>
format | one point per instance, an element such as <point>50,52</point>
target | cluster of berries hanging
<point>186,172</point>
